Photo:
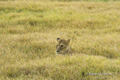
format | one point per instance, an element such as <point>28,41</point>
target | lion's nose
<point>57,51</point>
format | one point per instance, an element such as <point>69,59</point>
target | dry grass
<point>28,32</point>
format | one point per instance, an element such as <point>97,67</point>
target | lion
<point>63,47</point>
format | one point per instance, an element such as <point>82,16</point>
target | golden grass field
<point>28,33</point>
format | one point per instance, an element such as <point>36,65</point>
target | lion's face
<point>62,46</point>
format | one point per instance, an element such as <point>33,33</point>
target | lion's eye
<point>61,45</point>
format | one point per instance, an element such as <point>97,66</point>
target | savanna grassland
<point>28,32</point>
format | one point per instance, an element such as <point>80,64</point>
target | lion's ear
<point>58,39</point>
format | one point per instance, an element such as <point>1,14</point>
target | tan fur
<point>63,47</point>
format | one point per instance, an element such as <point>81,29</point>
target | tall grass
<point>63,0</point>
<point>28,32</point>
<point>86,0</point>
